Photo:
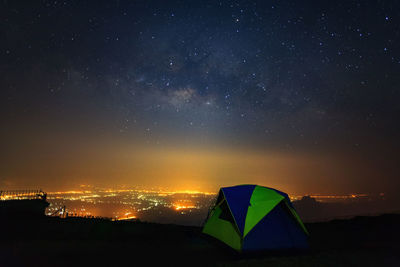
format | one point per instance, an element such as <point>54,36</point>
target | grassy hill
<point>362,241</point>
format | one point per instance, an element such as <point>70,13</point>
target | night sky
<point>303,96</point>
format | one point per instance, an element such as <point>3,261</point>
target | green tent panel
<point>222,229</point>
<point>262,201</point>
<point>252,217</point>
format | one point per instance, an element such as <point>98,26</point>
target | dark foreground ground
<point>362,241</point>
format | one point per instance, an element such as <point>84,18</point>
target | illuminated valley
<point>182,207</point>
<point>190,207</point>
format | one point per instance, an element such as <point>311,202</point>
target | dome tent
<point>253,218</point>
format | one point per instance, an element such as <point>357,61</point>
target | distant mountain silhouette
<point>311,210</point>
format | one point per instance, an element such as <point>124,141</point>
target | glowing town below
<point>156,205</point>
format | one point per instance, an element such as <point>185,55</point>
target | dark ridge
<point>51,241</point>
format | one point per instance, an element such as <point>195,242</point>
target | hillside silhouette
<point>51,241</point>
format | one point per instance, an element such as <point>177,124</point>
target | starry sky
<point>303,96</point>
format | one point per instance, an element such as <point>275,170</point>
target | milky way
<point>303,78</point>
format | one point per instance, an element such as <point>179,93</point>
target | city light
<point>148,204</point>
<point>180,207</point>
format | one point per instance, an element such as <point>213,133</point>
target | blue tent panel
<point>238,198</point>
<point>277,230</point>
<point>296,232</point>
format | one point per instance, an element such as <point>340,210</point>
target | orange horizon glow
<point>184,169</point>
